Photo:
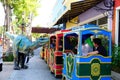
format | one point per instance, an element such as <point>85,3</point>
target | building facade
<point>116,22</point>
<point>79,12</point>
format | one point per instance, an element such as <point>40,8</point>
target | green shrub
<point>8,58</point>
<point>116,58</point>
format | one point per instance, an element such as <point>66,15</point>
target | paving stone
<point>38,70</point>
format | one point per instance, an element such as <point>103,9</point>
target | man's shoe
<point>17,68</point>
<point>25,67</point>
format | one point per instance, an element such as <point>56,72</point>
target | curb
<point>115,75</point>
<point>8,63</point>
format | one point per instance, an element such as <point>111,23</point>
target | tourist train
<point>66,58</point>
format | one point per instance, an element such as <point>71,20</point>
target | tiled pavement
<point>7,70</point>
<point>38,70</point>
<point>115,76</point>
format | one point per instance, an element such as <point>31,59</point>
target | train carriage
<point>46,52</point>
<point>42,52</point>
<point>55,53</point>
<point>78,66</point>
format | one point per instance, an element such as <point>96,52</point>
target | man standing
<point>1,55</point>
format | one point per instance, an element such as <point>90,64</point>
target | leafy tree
<point>22,9</point>
<point>38,35</point>
<point>1,30</point>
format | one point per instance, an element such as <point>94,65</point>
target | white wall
<point>2,15</point>
<point>92,14</point>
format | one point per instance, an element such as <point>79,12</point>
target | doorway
<point>119,27</point>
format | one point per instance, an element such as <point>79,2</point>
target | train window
<point>59,60</point>
<point>71,42</point>
<point>104,40</point>
<point>87,44</point>
<point>53,42</point>
<point>60,44</point>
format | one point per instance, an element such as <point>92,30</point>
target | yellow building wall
<point>67,3</point>
<point>72,23</point>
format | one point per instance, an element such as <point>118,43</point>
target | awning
<point>77,8</point>
<point>44,30</point>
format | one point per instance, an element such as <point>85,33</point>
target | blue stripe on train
<point>102,78</point>
<point>88,59</point>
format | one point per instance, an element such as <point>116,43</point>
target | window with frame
<point>102,22</point>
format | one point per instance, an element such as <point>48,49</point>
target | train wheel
<point>63,78</point>
<point>56,76</point>
<point>51,72</point>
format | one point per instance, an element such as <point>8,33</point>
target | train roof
<point>86,27</point>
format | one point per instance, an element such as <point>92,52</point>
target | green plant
<point>8,58</point>
<point>115,55</point>
<point>116,58</point>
